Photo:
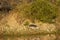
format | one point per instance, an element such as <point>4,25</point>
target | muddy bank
<point>35,37</point>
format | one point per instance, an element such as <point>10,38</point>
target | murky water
<point>36,37</point>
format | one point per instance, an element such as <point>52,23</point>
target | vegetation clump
<point>41,10</point>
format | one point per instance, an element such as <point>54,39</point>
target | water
<point>36,37</point>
